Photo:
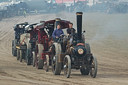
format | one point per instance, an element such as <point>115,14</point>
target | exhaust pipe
<point>79,24</point>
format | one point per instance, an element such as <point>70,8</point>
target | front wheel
<point>18,54</point>
<point>67,66</point>
<point>28,56</point>
<point>34,59</point>
<point>40,64</point>
<point>93,70</point>
<point>21,55</point>
<point>46,63</point>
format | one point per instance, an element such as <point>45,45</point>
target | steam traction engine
<point>42,55</point>
<point>27,38</point>
<point>19,30</point>
<point>40,52</point>
<point>21,46</point>
<point>77,54</point>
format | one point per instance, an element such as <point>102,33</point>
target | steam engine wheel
<point>67,66</point>
<point>56,64</point>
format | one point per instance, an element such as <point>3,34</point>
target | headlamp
<point>80,51</point>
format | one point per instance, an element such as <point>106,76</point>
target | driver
<point>71,30</point>
<point>56,33</point>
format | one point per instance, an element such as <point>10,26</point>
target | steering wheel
<point>61,38</point>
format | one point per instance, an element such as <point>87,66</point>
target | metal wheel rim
<point>93,70</point>
<point>92,67</point>
<point>53,63</point>
<point>65,66</point>
<point>33,59</point>
<point>46,63</point>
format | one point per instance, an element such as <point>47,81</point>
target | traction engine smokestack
<point>79,24</point>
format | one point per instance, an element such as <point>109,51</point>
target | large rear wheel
<point>93,70</point>
<point>67,66</point>
<point>39,60</point>
<point>14,50</point>
<point>46,63</point>
<point>56,64</point>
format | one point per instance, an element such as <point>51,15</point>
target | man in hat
<point>70,30</point>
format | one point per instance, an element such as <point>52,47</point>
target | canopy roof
<point>64,24</point>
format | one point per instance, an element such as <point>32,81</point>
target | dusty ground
<point>107,35</point>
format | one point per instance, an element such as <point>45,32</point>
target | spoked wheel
<point>67,66</point>
<point>14,51</point>
<point>56,65</point>
<point>93,69</point>
<point>46,63</point>
<point>18,54</point>
<point>34,59</point>
<point>21,55</point>
<point>13,47</point>
<point>28,56</point>
<point>39,62</point>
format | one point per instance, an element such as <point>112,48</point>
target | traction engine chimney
<point>79,24</point>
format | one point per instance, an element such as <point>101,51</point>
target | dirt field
<point>107,35</point>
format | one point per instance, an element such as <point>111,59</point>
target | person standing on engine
<point>56,33</point>
<point>70,30</point>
